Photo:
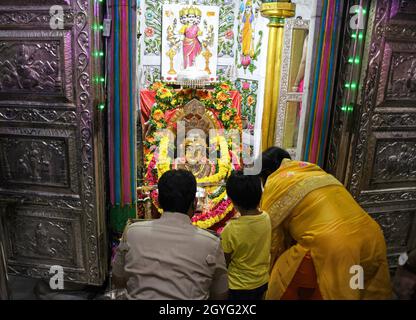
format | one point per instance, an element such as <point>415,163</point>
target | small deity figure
<point>247,32</point>
<point>190,18</point>
<point>196,159</point>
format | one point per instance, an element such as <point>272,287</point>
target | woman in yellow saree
<point>314,218</point>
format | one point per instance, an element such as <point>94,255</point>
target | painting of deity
<point>250,36</point>
<point>247,30</point>
<point>189,41</point>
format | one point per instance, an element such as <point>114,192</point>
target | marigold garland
<point>167,98</point>
<point>224,163</point>
<point>221,197</point>
<point>223,206</point>
<point>218,101</point>
<point>164,162</point>
<point>207,220</point>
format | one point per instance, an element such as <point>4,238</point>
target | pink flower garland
<point>217,210</point>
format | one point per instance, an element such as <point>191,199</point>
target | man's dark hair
<point>244,190</point>
<point>177,189</point>
<point>271,161</point>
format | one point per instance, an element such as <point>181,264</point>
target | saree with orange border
<point>312,214</point>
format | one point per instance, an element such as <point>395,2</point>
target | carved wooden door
<point>380,167</point>
<point>51,165</point>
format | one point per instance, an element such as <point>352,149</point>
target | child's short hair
<point>244,190</point>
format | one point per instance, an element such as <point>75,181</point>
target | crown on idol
<point>196,140</point>
<point>190,10</point>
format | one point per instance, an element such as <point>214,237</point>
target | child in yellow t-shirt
<point>246,240</point>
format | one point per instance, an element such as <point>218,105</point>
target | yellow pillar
<point>276,12</point>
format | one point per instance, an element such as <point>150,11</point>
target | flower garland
<point>216,192</point>
<point>164,161</point>
<point>208,219</point>
<point>161,162</point>
<point>224,163</point>
<point>218,100</point>
<point>221,197</point>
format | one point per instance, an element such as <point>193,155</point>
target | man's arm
<point>219,286</point>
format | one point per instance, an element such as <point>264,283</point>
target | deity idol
<point>196,159</point>
<point>247,32</point>
<point>190,17</point>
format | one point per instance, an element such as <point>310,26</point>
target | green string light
<point>360,36</point>
<point>97,26</point>
<point>355,60</point>
<point>99,79</point>
<point>98,54</point>
<point>347,108</point>
<point>351,85</point>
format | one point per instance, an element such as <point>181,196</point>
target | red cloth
<point>304,285</point>
<point>147,99</point>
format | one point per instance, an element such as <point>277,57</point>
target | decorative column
<point>276,12</point>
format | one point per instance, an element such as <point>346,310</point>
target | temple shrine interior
<point>100,98</point>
